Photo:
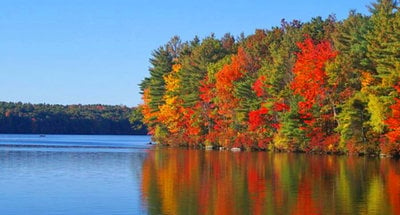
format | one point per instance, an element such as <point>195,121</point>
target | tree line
<point>67,119</point>
<point>322,86</point>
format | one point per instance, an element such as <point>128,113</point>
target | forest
<point>29,118</point>
<point>324,86</point>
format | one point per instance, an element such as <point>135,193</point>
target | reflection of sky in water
<point>119,141</point>
<point>72,180</point>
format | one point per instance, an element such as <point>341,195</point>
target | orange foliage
<point>310,83</point>
<point>206,92</point>
<point>393,123</point>
<point>258,86</point>
<point>148,115</point>
<point>281,107</point>
<point>225,101</point>
<point>256,118</point>
<point>367,79</point>
<point>310,76</point>
<point>230,73</point>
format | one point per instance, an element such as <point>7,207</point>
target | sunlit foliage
<point>321,86</point>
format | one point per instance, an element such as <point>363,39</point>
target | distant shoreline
<point>26,118</point>
<point>38,134</point>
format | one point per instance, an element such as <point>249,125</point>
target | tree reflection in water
<point>180,181</point>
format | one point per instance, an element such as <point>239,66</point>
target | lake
<point>71,174</point>
<point>79,174</point>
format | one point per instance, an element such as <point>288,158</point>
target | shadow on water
<point>180,181</point>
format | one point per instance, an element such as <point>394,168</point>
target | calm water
<point>76,174</point>
<point>71,174</point>
<point>177,181</point>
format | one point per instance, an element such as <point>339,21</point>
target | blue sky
<point>97,51</point>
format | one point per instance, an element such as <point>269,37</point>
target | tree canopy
<point>322,86</point>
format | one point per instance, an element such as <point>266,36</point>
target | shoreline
<point>236,149</point>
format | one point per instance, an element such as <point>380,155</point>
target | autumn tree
<point>383,51</point>
<point>346,73</point>
<point>323,85</point>
<point>393,122</point>
<point>310,82</point>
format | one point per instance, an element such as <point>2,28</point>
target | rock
<point>235,149</point>
<point>382,155</point>
<point>209,147</point>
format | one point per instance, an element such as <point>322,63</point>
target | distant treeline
<point>67,119</point>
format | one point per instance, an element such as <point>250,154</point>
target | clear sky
<point>97,51</point>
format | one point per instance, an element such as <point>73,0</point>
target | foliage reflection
<point>178,181</point>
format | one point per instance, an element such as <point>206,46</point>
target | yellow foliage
<point>280,141</point>
<point>170,113</point>
<point>176,67</point>
<point>171,82</point>
<point>171,79</point>
<point>377,110</point>
<point>367,79</point>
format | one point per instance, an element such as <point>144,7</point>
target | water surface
<point>71,174</point>
<point>178,181</point>
<point>78,174</point>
